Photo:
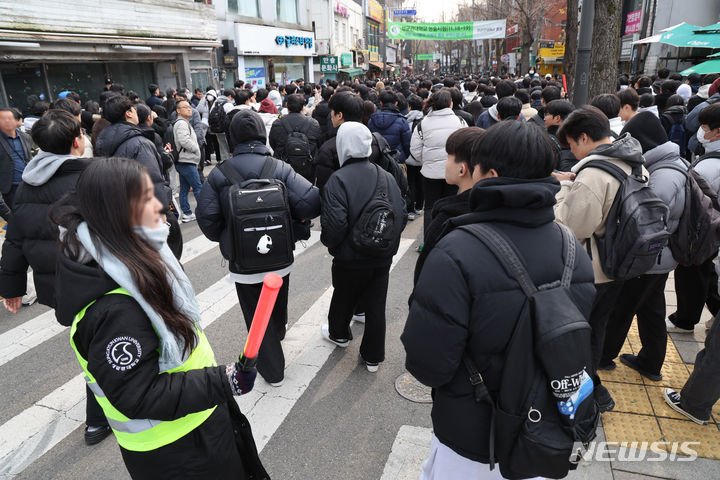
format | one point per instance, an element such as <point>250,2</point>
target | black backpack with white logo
<point>298,152</point>
<point>259,225</point>
<point>544,414</point>
<point>217,119</point>
<point>169,137</point>
<point>376,232</point>
<point>635,227</point>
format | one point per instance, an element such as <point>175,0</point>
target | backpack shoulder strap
<point>503,250</point>
<point>381,141</point>
<point>570,255</point>
<point>607,167</point>
<point>230,173</point>
<point>269,168</point>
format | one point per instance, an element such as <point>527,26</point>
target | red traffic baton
<point>266,303</point>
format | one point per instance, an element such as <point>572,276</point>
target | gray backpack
<point>636,225</point>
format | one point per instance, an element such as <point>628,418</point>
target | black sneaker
<point>607,366</point>
<point>603,398</point>
<point>95,435</point>
<point>672,398</point>
<point>631,361</point>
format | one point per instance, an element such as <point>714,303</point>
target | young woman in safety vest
<point>136,333</point>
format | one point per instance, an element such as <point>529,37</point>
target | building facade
<point>265,40</point>
<point>339,29</point>
<point>48,47</point>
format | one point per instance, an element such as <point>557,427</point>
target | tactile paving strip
<point>628,427</point>
<point>629,398</point>
<point>658,403</point>
<point>671,354</point>
<point>674,375</point>
<point>621,373</point>
<point>687,431</point>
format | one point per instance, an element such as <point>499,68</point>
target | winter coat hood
<point>42,167</point>
<point>354,140</point>
<point>77,285</point>
<point>386,116</point>
<point>247,125</point>
<point>625,148</point>
<point>523,202</point>
<point>115,135</point>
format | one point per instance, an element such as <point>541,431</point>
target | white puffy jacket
<point>428,147</point>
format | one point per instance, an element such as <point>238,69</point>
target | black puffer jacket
<point>249,159</point>
<point>141,392</point>
<point>321,113</point>
<point>31,238</point>
<point>126,140</point>
<point>464,301</point>
<point>344,196</point>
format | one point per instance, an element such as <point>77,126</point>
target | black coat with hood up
<point>464,301</point>
<point>247,132</point>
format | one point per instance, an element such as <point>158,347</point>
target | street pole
<point>582,67</point>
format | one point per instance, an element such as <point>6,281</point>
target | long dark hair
<point>108,194</point>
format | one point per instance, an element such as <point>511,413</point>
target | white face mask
<point>701,137</point>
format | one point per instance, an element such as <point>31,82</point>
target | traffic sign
<point>405,13</point>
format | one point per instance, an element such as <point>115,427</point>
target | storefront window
<point>287,11</point>
<point>246,8</point>
<point>87,79</point>
<point>134,76</point>
<point>255,73</point>
<point>287,69</point>
<point>24,86</point>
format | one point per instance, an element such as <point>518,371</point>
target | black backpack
<point>298,152</point>
<point>169,137</point>
<point>635,227</point>
<point>677,133</point>
<point>544,414</point>
<point>260,235</point>
<point>388,161</point>
<point>376,232</point>
<point>217,119</point>
<point>697,237</point>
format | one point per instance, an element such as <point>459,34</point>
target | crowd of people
<point>535,213</point>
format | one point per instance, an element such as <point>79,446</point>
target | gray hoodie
<point>353,140</point>
<point>42,167</point>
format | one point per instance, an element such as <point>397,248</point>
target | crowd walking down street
<point>551,309</point>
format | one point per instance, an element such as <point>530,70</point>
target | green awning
<point>684,36</point>
<point>351,71</point>
<point>711,66</point>
<point>709,28</point>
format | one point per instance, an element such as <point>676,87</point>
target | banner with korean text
<point>447,31</point>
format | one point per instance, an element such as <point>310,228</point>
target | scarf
<point>171,347</point>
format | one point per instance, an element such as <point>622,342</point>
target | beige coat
<point>583,204</point>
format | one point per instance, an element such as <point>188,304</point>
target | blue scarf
<point>171,347</point>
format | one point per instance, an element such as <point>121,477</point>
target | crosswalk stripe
<point>305,354</point>
<point>27,436</point>
<point>32,333</point>
<point>410,449</point>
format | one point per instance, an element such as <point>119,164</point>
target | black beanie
<point>246,125</point>
<point>646,128</point>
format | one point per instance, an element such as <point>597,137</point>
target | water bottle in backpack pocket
<point>259,224</point>
<point>545,406</point>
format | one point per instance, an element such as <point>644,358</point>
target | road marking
<point>32,333</point>
<point>410,449</point>
<point>305,354</point>
<point>28,435</point>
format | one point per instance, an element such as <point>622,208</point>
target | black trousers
<point>434,190</point>
<point>368,288</point>
<point>175,240</point>
<point>644,296</point>
<point>94,415</point>
<point>606,294</point>
<point>271,359</point>
<point>702,389</point>
<point>695,287</point>
<point>415,186</point>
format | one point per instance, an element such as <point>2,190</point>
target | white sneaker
<point>359,318</point>
<point>325,331</point>
<point>188,218</point>
<point>278,384</point>
<point>372,367</point>
<point>671,328</point>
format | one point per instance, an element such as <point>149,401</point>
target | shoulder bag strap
<point>230,173</point>
<point>570,255</point>
<point>269,168</point>
<point>607,167</point>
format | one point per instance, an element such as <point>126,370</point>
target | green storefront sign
<point>328,64</point>
<point>346,60</point>
<point>424,56</point>
<point>447,31</point>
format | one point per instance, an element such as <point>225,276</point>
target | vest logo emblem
<point>123,353</point>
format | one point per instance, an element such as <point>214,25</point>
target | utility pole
<point>582,67</point>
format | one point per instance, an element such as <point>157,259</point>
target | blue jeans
<point>189,177</point>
